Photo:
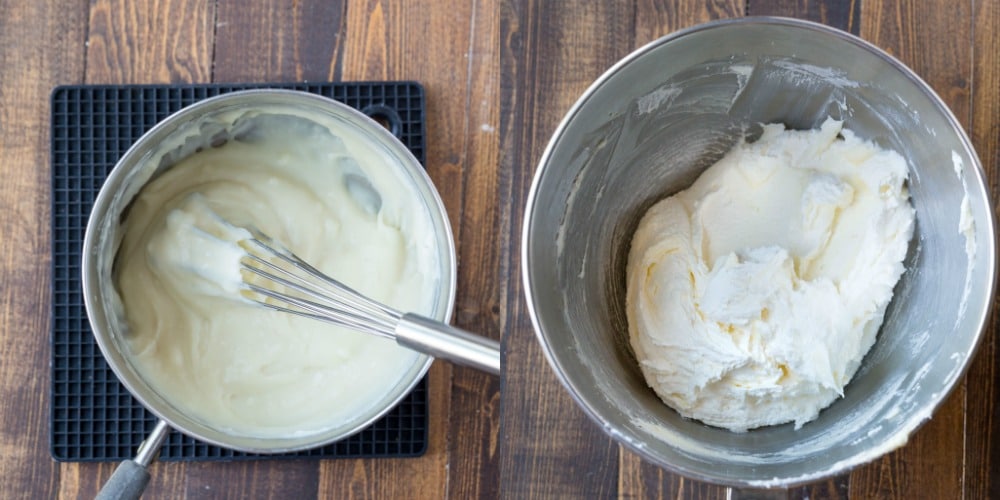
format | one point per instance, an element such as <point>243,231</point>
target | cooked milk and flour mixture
<point>242,368</point>
<point>754,295</point>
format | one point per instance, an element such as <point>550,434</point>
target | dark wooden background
<point>499,75</point>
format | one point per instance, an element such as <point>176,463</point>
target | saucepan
<point>192,129</point>
<point>645,130</point>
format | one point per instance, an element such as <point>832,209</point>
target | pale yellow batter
<point>251,371</point>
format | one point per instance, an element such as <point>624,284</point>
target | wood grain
<point>483,261</point>
<point>40,46</point>
<point>148,41</point>
<point>982,423</point>
<point>657,18</point>
<point>448,48</point>
<point>842,14</point>
<point>550,54</point>
<point>278,40</point>
<point>932,38</point>
<point>287,40</point>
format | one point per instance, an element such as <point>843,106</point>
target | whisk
<point>276,278</point>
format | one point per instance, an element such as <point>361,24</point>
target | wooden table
<point>499,75</point>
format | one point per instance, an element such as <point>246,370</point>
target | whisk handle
<point>447,342</point>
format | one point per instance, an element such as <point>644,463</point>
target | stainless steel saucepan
<point>180,135</point>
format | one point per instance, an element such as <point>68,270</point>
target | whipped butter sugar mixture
<point>754,295</point>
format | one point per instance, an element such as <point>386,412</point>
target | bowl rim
<point>527,239</point>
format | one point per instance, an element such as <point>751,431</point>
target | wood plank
<point>640,479</point>
<point>397,477</point>
<point>842,14</point>
<point>654,19</point>
<point>484,251</point>
<point>41,45</point>
<point>278,40</point>
<point>172,42</point>
<point>982,425</point>
<point>149,41</point>
<point>550,52</point>
<point>451,49</point>
<point>275,479</point>
<point>366,41</point>
<point>657,18</point>
<point>933,38</point>
<point>273,41</point>
<point>271,479</point>
<point>294,41</point>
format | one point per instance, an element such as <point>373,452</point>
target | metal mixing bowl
<point>645,130</point>
<point>210,123</point>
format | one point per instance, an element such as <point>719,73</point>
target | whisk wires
<point>276,278</point>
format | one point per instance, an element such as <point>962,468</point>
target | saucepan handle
<point>131,477</point>
<point>447,342</point>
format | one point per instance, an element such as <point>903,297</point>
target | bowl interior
<point>646,130</point>
<point>181,135</point>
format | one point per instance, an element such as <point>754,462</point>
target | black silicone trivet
<point>93,416</point>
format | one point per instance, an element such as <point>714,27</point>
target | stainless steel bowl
<point>203,125</point>
<point>645,130</point>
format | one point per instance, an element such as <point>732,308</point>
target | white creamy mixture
<point>754,294</point>
<point>237,366</point>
